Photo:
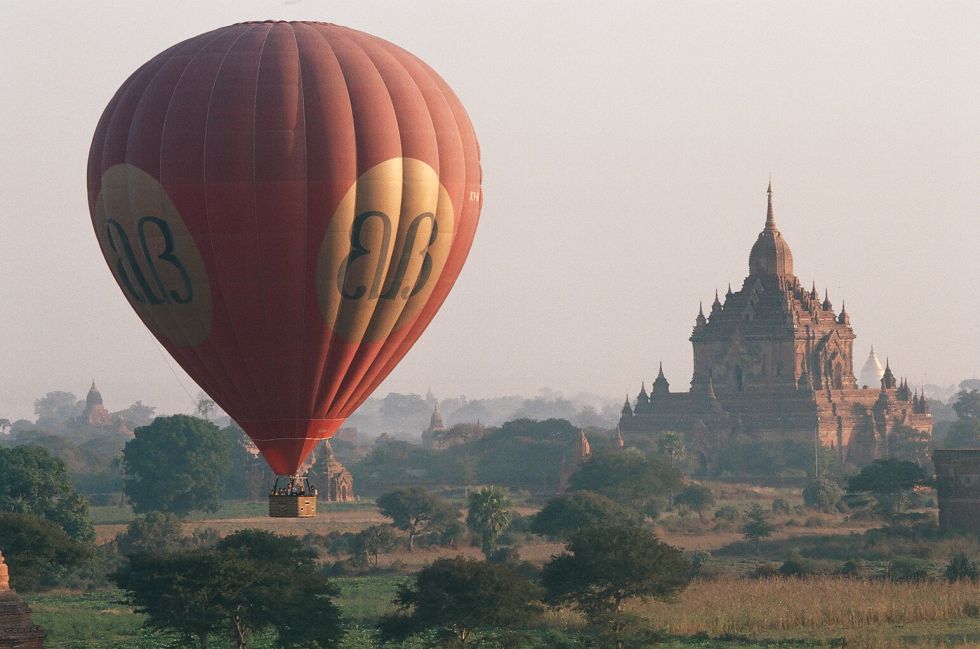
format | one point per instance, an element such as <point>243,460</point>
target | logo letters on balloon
<point>152,255</point>
<point>387,243</point>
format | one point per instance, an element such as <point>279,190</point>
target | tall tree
<point>671,445</point>
<point>176,464</point>
<point>155,533</point>
<point>604,566</point>
<point>628,477</point>
<point>136,415</point>
<point>907,443</point>
<point>416,511</point>
<point>695,497</point>
<point>250,582</point>
<point>37,550</point>
<point>821,494</point>
<point>575,510</point>
<point>55,409</point>
<point>205,407</point>
<point>371,542</point>
<point>890,481</point>
<point>488,515</point>
<point>32,481</point>
<point>757,525</point>
<point>457,597</point>
<point>965,431</point>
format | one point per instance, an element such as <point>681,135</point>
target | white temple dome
<point>872,371</point>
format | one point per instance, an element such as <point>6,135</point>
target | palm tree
<point>671,444</point>
<point>488,516</point>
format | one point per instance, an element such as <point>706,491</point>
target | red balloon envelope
<point>286,206</point>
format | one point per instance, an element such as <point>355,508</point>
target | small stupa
<point>872,371</point>
<point>16,628</point>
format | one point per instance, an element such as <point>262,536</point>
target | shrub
<point>856,568</point>
<point>960,568</point>
<point>507,554</point>
<point>909,569</point>
<point>821,494</point>
<point>780,506</point>
<point>727,513</point>
<point>765,571</point>
<point>698,561</point>
<point>796,566</point>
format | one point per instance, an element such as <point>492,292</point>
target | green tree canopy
<point>695,497</point>
<point>890,481</point>
<point>248,475</point>
<point>396,463</point>
<point>460,596</point>
<point>32,481</point>
<point>821,494</point>
<point>488,516</point>
<point>416,511</point>
<point>37,550</point>
<point>55,409</point>
<point>250,582</point>
<point>177,464</point>
<point>575,510</point>
<point>155,533</point>
<point>965,431</point>
<point>907,443</point>
<point>370,542</point>
<point>967,404</point>
<point>757,525</point>
<point>628,477</point>
<point>605,566</point>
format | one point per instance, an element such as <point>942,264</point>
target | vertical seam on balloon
<point>356,359</point>
<point>331,341</point>
<point>298,398</point>
<point>191,349</point>
<point>410,337</point>
<point>235,389</point>
<point>367,362</point>
<point>129,135</point>
<point>204,155</point>
<point>323,343</point>
<point>258,246</point>
<point>326,345</point>
<point>341,33</point>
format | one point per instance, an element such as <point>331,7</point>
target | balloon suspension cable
<point>160,350</point>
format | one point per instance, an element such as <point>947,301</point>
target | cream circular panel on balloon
<point>152,255</point>
<point>384,250</point>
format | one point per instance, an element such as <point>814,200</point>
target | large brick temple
<point>770,360</point>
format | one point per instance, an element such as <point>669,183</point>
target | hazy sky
<point>626,148</point>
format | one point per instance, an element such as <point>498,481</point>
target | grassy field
<point>822,611</point>
<point>728,611</point>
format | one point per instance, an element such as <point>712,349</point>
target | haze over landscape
<point>286,202</point>
<point>625,151</point>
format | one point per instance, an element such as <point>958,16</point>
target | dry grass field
<point>835,610</point>
<point>745,606</point>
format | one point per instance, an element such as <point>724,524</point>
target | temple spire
<point>770,218</point>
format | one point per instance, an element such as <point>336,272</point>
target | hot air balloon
<point>285,205</point>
